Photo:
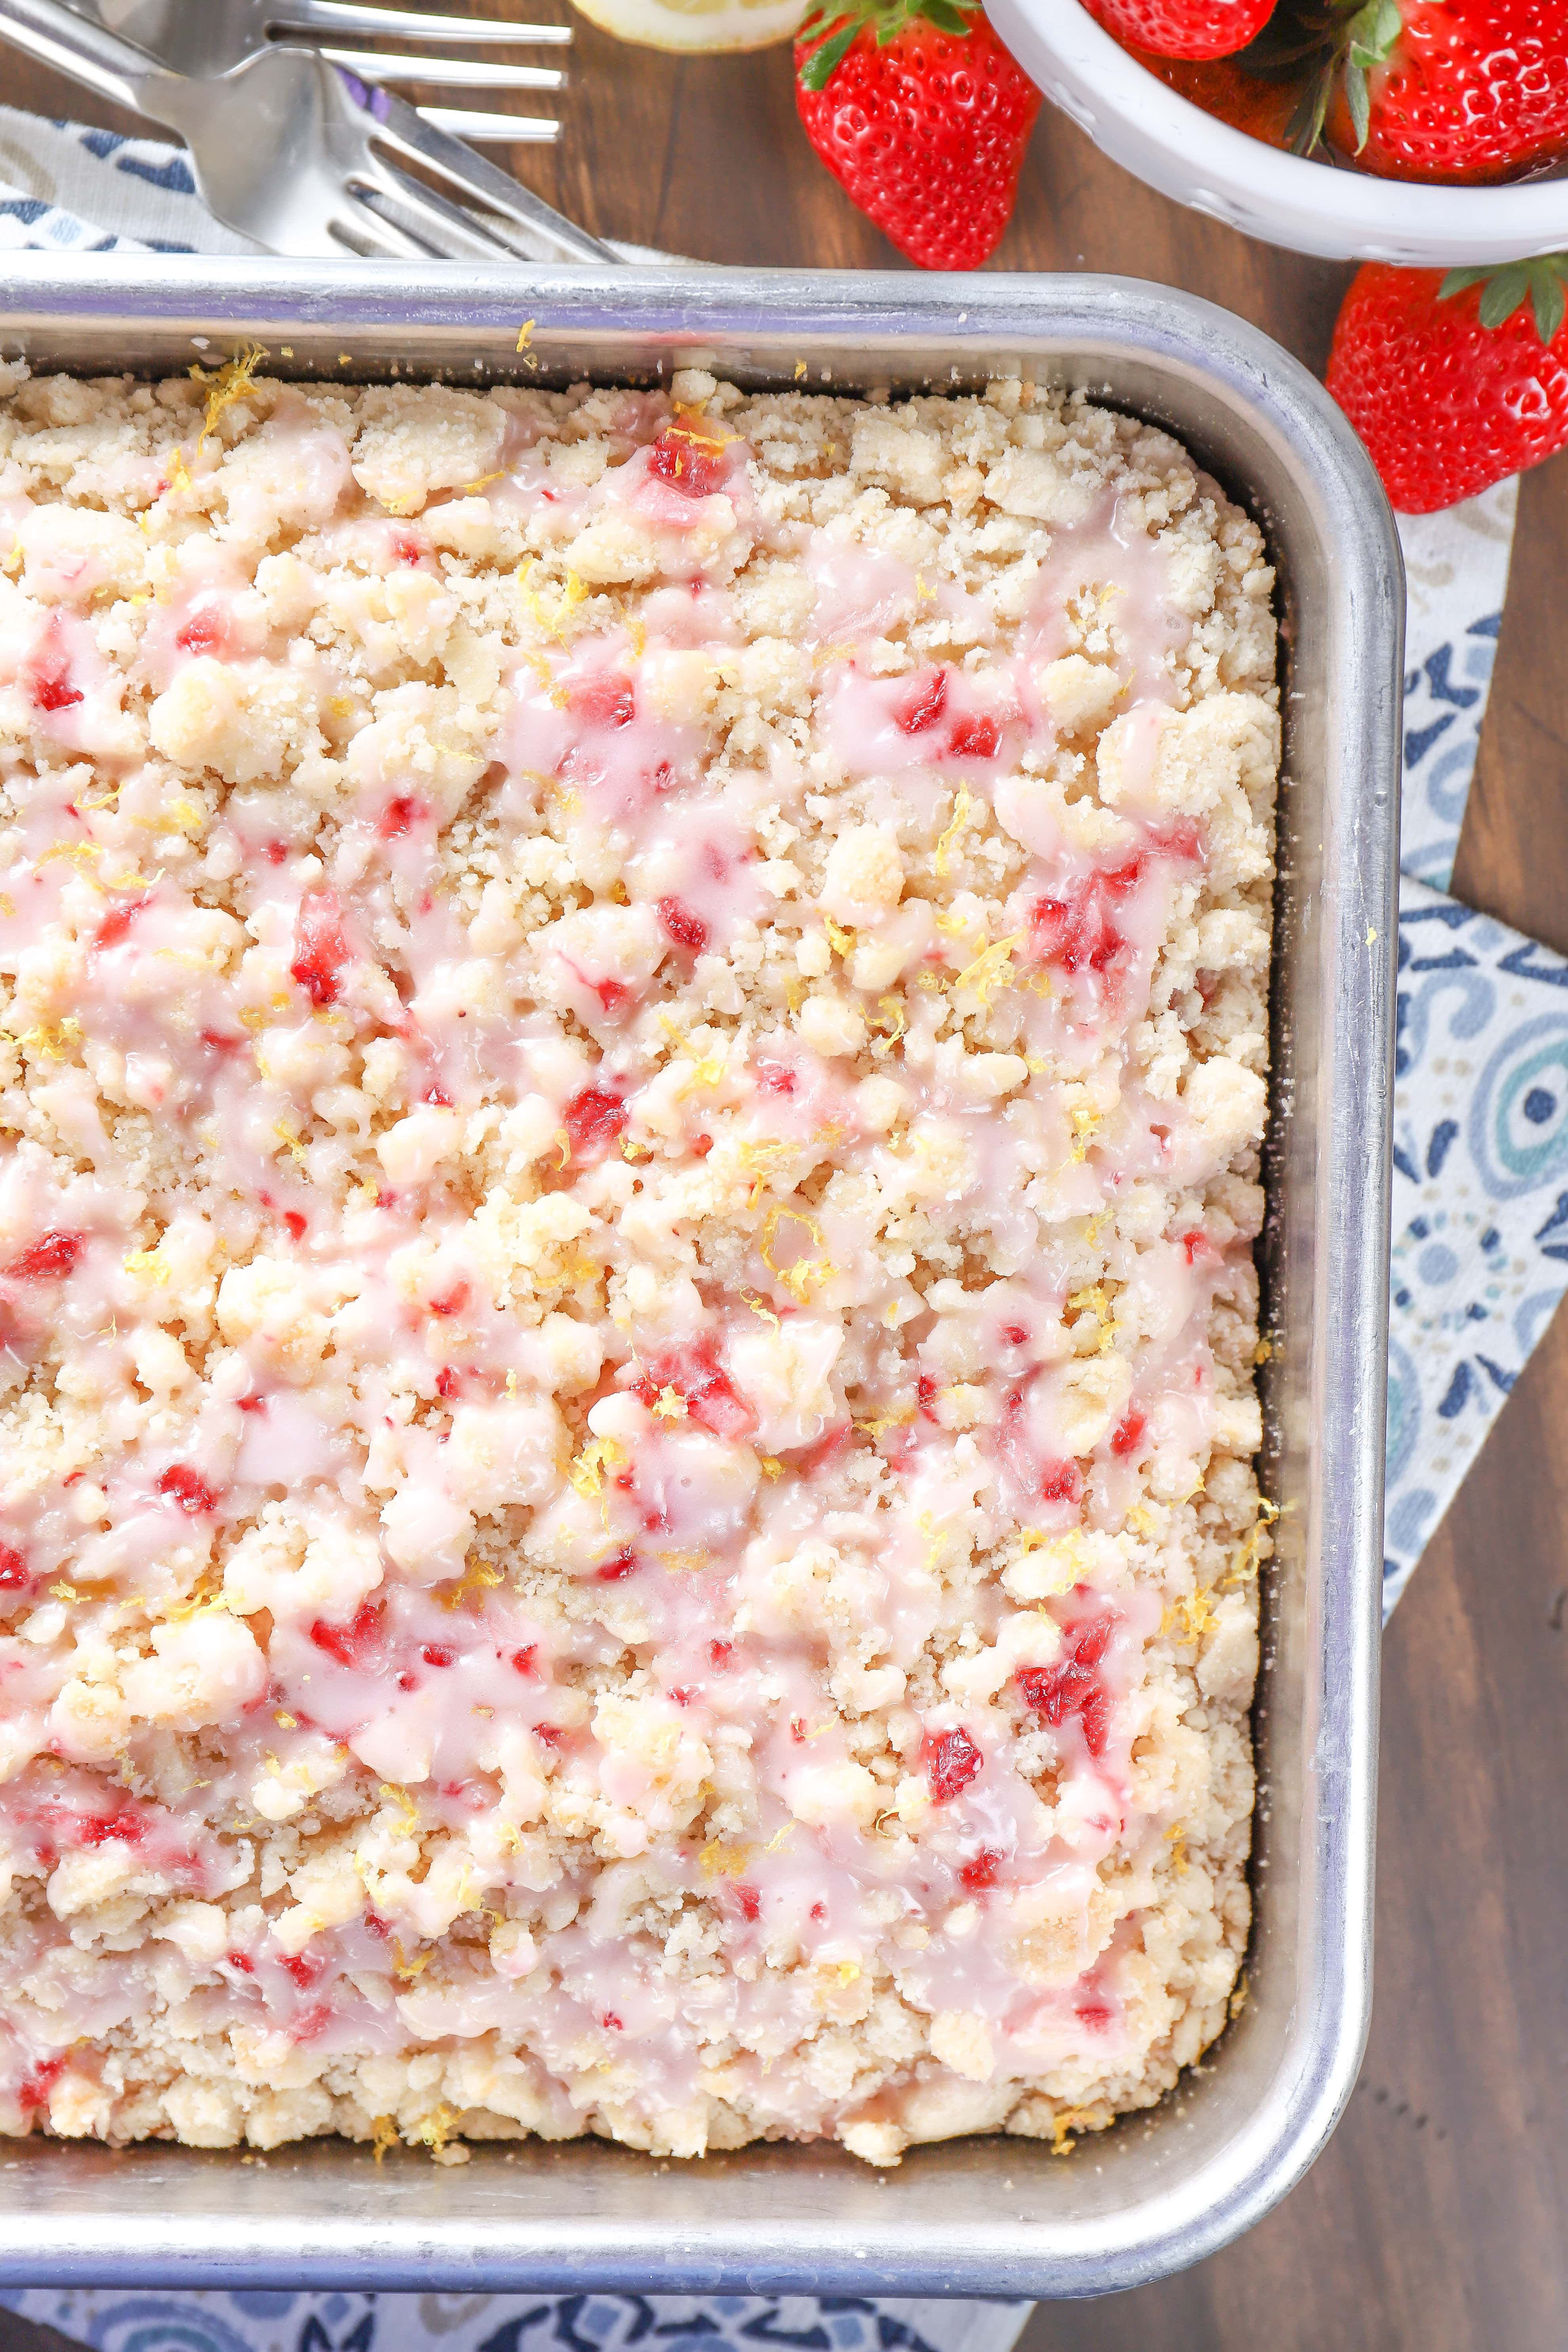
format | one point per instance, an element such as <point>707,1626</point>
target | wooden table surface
<point>1434,2221</point>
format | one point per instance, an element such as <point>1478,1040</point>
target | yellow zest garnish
<point>1084,1122</point>
<point>798,1279</point>
<point>990,971</point>
<point>877,1426</point>
<point>681,1563</point>
<point>1194,1612</point>
<point>476,1577</point>
<point>80,853</point>
<point>1141,1521</point>
<point>435,2131</point>
<point>1239,1997</point>
<point>525,334</point>
<point>385,2136</point>
<point>401,1796</point>
<point>840,940</point>
<point>954,925</point>
<point>229,384</point>
<point>890,1028</point>
<point>1263,1350</point>
<point>638,635</point>
<point>286,1722</point>
<point>962,805</point>
<point>151,1263</point>
<point>587,1472</point>
<point>51,1044</point>
<point>776,1840</point>
<point>719,1861</point>
<point>511,1383</point>
<point>1066,2121</point>
<point>563,1143</point>
<point>764,1313</point>
<point>670,1406</point>
<point>289,1138</point>
<point>205,1594</point>
<point>7,905</point>
<point>1093,1301</point>
<point>1176,1839</point>
<point>799,369</point>
<point>634,1151</point>
<point>64,1591</point>
<point>769,1466</point>
<point>924,594</point>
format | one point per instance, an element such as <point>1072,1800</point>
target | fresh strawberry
<point>923,117</point>
<point>1427,89</point>
<point>1185,28</point>
<point>1262,108</point>
<point>1454,382</point>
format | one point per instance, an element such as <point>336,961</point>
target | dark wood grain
<point>1435,2220</point>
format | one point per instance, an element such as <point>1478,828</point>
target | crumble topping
<point>632,1047</point>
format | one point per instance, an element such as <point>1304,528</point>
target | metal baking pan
<point>987,2216</point>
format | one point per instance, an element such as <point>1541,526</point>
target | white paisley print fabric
<point>280,2322</point>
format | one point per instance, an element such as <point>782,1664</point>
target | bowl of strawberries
<point>1428,133</point>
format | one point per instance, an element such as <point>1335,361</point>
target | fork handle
<point>79,47</point>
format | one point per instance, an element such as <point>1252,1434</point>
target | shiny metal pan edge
<point>987,2216</point>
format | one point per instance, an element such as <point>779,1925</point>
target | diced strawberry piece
<point>438,1653</point>
<point>701,1145</point>
<point>13,1575</point>
<point>980,1870</point>
<point>592,1119</point>
<point>1062,1482</point>
<point>924,705</point>
<point>48,1259</point>
<point>605,699</point>
<point>826,1451</point>
<point>321,948</point>
<point>276,852</point>
<point>1180,840</point>
<point>49,672</point>
<point>1128,1433</point>
<point>624,1564</point>
<point>451,1302</point>
<point>721,1653</point>
<point>526,1662</point>
<point>242,1962</point>
<point>294,1225</point>
<point>203,632</point>
<point>115,923</point>
<point>711,1397</point>
<point>925,1396</point>
<point>819,1911</point>
<point>406,547</point>
<point>1192,1242</point>
<point>776,1079</point>
<point>951,1760</point>
<point>355,1644</point>
<point>687,463</point>
<point>448,1382</point>
<point>1076,934</point>
<point>974,737</point>
<point>400,816</point>
<point>613,995</point>
<point>686,930</point>
<point>304,1968</point>
<point>1072,1687</point>
<point>187,1490</point>
<point>750,1901</point>
<point>612,2023</point>
<point>1094,2012</point>
<point>36,2087</point>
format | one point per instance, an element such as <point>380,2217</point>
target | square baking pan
<point>988,2216</point>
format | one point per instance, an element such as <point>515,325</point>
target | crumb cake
<point>632,1057</point>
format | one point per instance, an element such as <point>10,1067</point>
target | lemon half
<point>694,26</point>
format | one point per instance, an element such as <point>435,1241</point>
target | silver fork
<point>207,37</point>
<point>305,159</point>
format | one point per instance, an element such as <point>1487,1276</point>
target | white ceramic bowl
<point>1345,216</point>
